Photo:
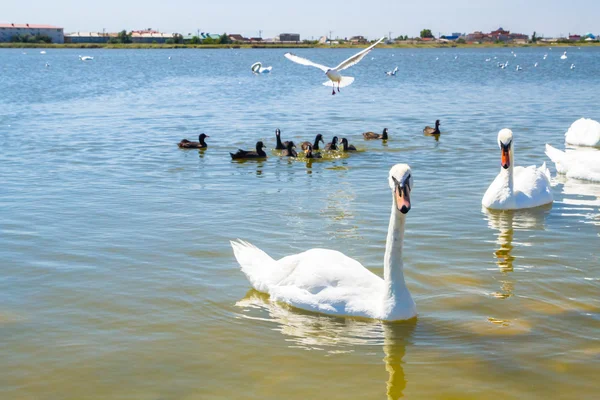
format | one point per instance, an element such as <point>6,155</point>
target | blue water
<point>117,279</point>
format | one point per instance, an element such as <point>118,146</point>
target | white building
<point>8,31</point>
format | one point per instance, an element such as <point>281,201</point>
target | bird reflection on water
<point>338,335</point>
<point>506,222</point>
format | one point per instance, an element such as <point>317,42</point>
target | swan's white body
<point>334,73</point>
<point>572,66</point>
<point>517,187</point>
<point>327,281</point>
<point>564,56</point>
<point>86,58</point>
<point>257,68</point>
<point>43,52</point>
<point>578,164</point>
<point>583,132</point>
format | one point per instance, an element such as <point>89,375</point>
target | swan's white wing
<point>330,282</point>
<point>357,57</point>
<point>532,186</point>
<point>584,132</point>
<point>304,61</point>
<point>578,164</point>
<point>316,280</point>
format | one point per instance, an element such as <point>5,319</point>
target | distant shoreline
<point>284,46</point>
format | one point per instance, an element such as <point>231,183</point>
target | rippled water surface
<point>117,279</point>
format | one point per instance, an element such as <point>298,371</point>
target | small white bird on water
<point>257,68</point>
<point>43,52</point>
<point>86,58</point>
<point>519,68</point>
<point>564,56</point>
<point>535,65</point>
<point>334,73</point>
<point>392,73</point>
<point>572,66</point>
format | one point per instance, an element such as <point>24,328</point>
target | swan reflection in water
<point>506,222</point>
<point>314,331</point>
<point>581,199</point>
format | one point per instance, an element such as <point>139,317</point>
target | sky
<point>312,18</point>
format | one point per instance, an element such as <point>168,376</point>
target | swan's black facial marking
<point>402,194</point>
<point>505,154</point>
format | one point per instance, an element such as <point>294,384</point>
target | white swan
<point>43,52</point>
<point>572,66</point>
<point>257,68</point>
<point>329,282</point>
<point>564,56</point>
<point>334,73</point>
<point>86,58</point>
<point>583,132</point>
<point>517,187</point>
<point>578,164</point>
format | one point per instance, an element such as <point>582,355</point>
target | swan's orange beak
<point>402,196</point>
<point>505,149</point>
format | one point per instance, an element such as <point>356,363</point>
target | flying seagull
<point>334,73</point>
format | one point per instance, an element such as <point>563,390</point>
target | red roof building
<point>8,32</point>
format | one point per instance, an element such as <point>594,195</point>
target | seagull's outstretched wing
<point>304,61</point>
<point>357,57</point>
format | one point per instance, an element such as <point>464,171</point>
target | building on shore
<point>236,37</point>
<point>150,36</point>
<point>289,37</point>
<point>88,37</point>
<point>8,32</point>
<point>455,36</point>
<point>359,39</point>
<point>499,35</point>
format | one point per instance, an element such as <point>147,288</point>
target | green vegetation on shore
<point>400,45</point>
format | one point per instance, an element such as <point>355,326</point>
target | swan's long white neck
<point>507,174</point>
<point>393,269</point>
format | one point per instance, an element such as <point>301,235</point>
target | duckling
<point>332,145</point>
<point>280,145</point>
<point>309,152</point>
<point>373,135</point>
<point>289,151</point>
<point>346,146</point>
<point>200,144</point>
<point>315,145</point>
<point>246,154</point>
<point>429,131</point>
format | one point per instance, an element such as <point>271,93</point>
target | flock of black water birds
<point>310,150</point>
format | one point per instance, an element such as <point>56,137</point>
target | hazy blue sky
<point>311,17</point>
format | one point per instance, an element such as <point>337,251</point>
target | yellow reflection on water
<point>333,335</point>
<point>506,222</point>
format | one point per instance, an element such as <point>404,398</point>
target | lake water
<point>117,279</point>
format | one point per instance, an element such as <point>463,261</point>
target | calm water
<point>117,279</point>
